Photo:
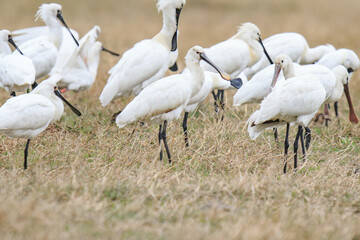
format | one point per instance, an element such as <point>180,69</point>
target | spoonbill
<point>348,59</point>
<point>335,82</point>
<point>27,115</point>
<point>17,72</point>
<point>43,50</point>
<point>148,60</point>
<point>292,44</point>
<point>295,100</point>
<point>211,81</point>
<point>78,70</point>
<point>233,55</point>
<point>165,99</point>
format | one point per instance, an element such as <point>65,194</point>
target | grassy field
<point>88,179</point>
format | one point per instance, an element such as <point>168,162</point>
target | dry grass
<point>89,180</point>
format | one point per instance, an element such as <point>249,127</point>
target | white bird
<point>211,81</point>
<point>349,60</point>
<point>78,70</point>
<point>43,50</point>
<point>241,51</point>
<point>148,60</point>
<point>295,100</point>
<point>27,115</point>
<point>17,72</point>
<point>167,98</point>
<point>292,44</point>
<point>334,81</point>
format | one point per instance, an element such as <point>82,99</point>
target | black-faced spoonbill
<point>167,98</point>
<point>27,115</point>
<point>43,50</point>
<point>17,72</point>
<point>148,60</point>
<point>295,100</point>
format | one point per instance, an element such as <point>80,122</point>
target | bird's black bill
<point>174,67</point>
<point>223,74</point>
<point>60,17</point>
<point>236,83</point>
<point>111,52</point>
<point>10,40</point>
<point>266,53</point>
<point>77,112</point>
<point>174,39</point>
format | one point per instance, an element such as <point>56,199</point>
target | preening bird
<point>233,55</point>
<point>43,50</point>
<point>148,60</point>
<point>17,72</point>
<point>27,115</point>
<point>295,100</point>
<point>78,69</point>
<point>292,44</point>
<point>167,98</point>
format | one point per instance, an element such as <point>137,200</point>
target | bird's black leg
<point>26,153</point>
<point>276,135</point>
<point>307,138</point>
<point>296,146</point>
<point>216,105</point>
<point>160,138</point>
<point>286,146</point>
<point>13,94</point>
<point>303,145</point>
<point>165,141</point>
<point>337,112</point>
<point>185,129</point>
<point>326,114</point>
<point>222,103</point>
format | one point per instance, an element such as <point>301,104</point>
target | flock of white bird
<point>291,89</point>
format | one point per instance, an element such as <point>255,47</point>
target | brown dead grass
<point>89,180</point>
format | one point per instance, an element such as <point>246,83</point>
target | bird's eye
<point>9,36</point>
<point>55,88</point>
<point>282,61</point>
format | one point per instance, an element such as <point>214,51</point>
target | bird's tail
<point>255,130</point>
<point>110,91</point>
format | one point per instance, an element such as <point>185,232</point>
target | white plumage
<point>43,50</point>
<point>17,72</point>
<point>167,98</point>
<point>148,60</point>
<point>27,115</point>
<point>292,44</point>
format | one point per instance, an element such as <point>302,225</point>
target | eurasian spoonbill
<point>233,55</point>
<point>148,60</point>
<point>27,115</point>
<point>212,81</point>
<point>295,100</point>
<point>345,57</point>
<point>43,50</point>
<point>292,44</point>
<point>17,72</point>
<point>78,70</point>
<point>167,98</point>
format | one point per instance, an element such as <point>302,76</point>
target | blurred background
<point>203,22</point>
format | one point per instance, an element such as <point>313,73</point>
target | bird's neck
<point>314,54</point>
<point>55,33</point>
<point>197,76</point>
<point>4,49</point>
<point>289,71</point>
<point>169,28</point>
